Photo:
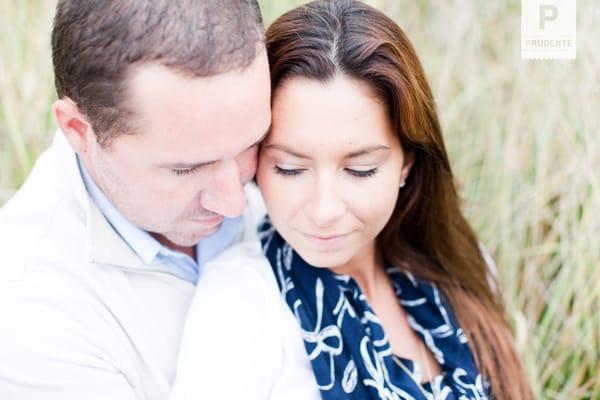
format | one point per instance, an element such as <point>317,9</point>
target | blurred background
<point>523,136</point>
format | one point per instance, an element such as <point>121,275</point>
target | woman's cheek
<point>373,199</point>
<point>277,191</point>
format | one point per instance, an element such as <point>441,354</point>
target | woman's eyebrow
<point>354,154</point>
<point>366,150</point>
<point>286,149</point>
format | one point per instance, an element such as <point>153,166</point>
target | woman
<point>368,282</point>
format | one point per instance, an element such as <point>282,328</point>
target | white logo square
<point>548,29</point>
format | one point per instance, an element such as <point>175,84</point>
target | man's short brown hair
<point>95,42</point>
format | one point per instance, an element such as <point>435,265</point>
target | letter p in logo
<point>548,12</point>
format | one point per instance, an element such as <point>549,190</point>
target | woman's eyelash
<point>183,172</point>
<point>297,171</point>
<point>288,172</point>
<point>361,174</point>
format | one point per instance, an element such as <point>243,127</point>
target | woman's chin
<point>323,259</point>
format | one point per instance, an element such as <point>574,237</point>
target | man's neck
<point>190,251</point>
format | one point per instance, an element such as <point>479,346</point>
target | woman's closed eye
<point>357,172</point>
<point>287,170</point>
<point>361,172</point>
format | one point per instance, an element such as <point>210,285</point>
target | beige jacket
<point>82,316</point>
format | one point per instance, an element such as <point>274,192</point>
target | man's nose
<point>226,194</point>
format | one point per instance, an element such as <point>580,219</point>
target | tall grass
<point>523,138</point>
<point>26,89</point>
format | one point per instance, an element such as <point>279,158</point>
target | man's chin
<point>192,237</point>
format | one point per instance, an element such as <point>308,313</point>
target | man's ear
<point>73,124</point>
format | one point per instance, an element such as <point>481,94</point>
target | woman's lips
<point>330,237</point>
<point>326,241</point>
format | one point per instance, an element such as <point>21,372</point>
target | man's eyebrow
<point>180,165</point>
<point>353,154</point>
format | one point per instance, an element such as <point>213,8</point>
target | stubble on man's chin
<point>175,240</point>
<point>181,239</point>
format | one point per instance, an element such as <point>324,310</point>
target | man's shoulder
<point>44,236</point>
<point>38,223</point>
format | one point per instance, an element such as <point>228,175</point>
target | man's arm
<point>231,344</point>
<point>49,352</point>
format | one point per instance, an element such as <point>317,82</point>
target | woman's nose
<point>326,206</point>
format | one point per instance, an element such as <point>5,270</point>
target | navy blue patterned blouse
<point>346,344</point>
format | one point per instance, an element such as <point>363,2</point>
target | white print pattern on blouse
<point>319,336</point>
<point>342,308</point>
<point>476,389</point>
<point>461,335</point>
<point>437,353</point>
<point>439,392</point>
<point>379,375</point>
<point>350,377</point>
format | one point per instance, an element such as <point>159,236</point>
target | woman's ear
<point>73,124</point>
<point>409,159</point>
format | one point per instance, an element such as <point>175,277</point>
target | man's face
<point>194,150</point>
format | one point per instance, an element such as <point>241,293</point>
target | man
<point>161,107</point>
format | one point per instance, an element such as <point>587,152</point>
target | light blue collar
<point>150,250</point>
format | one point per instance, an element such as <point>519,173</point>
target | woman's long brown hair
<point>427,233</point>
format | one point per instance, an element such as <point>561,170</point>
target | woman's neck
<point>367,270</point>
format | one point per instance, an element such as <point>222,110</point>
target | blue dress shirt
<point>150,250</point>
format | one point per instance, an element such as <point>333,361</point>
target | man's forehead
<point>152,76</point>
<point>164,101</point>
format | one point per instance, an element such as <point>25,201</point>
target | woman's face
<point>330,170</point>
